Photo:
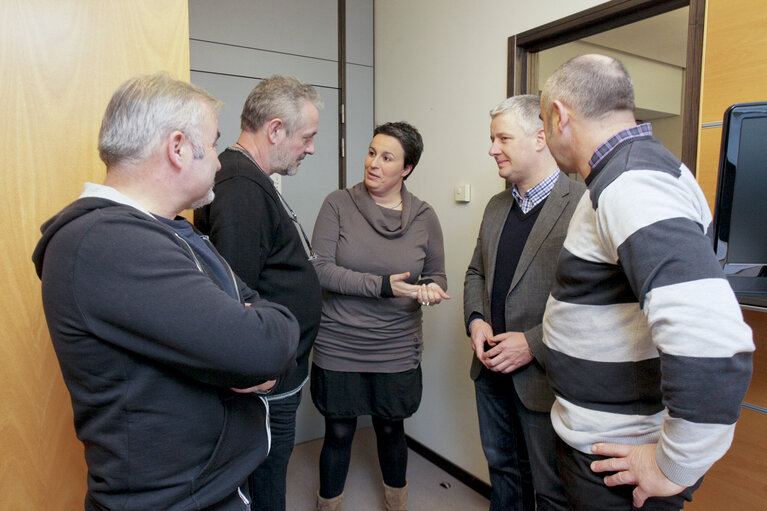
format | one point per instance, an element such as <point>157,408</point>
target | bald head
<point>592,85</point>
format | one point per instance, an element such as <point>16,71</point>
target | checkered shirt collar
<point>536,194</point>
<point>640,130</point>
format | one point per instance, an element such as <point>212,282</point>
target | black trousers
<point>586,490</point>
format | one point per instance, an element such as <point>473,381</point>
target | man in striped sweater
<point>646,348</point>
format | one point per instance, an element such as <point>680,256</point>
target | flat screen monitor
<point>740,213</point>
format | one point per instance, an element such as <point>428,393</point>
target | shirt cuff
<point>386,290</point>
<point>472,317</point>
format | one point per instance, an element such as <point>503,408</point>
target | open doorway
<point>660,42</point>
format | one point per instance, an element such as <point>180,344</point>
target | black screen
<point>748,220</point>
<point>740,217</point>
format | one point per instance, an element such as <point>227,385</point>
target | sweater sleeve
<point>654,224</point>
<point>335,278</point>
<point>154,302</point>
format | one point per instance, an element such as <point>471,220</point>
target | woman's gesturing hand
<point>430,294</point>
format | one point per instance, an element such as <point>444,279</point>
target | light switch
<point>462,193</point>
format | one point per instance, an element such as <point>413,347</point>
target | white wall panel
<point>238,61</point>
<point>299,27</point>
<point>359,119</point>
<point>359,32</point>
<point>359,86</point>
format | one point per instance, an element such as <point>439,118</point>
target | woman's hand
<point>401,288</point>
<point>430,294</point>
<point>425,294</point>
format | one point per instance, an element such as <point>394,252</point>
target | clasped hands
<point>508,351</point>
<point>425,294</point>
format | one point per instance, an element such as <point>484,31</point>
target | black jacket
<point>252,230</point>
<point>149,347</point>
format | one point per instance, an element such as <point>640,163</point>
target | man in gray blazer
<point>505,291</point>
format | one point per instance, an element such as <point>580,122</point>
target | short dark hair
<point>594,85</point>
<point>408,137</point>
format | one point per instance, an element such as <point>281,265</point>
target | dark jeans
<point>268,482</point>
<point>586,490</point>
<point>519,445</point>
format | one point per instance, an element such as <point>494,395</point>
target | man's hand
<point>481,331</point>
<point>509,352</point>
<point>264,387</point>
<point>636,465</point>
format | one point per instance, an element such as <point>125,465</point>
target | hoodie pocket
<point>242,444</point>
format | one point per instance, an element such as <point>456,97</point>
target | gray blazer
<point>531,284</point>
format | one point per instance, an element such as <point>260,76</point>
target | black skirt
<point>343,395</point>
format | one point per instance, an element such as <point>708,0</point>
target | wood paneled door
<point>59,63</point>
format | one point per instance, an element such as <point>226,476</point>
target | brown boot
<point>333,504</point>
<point>395,499</point>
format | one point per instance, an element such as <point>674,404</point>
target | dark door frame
<point>614,14</point>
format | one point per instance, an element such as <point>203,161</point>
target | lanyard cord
<point>293,216</point>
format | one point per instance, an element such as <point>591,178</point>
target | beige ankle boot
<point>333,504</point>
<point>395,499</point>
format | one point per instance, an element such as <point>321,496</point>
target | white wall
<point>657,85</point>
<point>441,64</point>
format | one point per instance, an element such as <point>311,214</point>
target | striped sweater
<point>645,341</point>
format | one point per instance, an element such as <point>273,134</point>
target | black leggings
<point>337,448</point>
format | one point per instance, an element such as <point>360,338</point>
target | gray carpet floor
<point>430,488</point>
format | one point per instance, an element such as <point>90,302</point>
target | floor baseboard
<point>451,468</point>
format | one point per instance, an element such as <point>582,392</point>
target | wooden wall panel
<point>757,391</point>
<point>735,71</point>
<point>709,141</point>
<point>59,63</point>
<point>735,60</point>
<point>737,482</point>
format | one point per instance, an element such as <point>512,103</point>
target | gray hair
<point>526,110</point>
<point>593,85</point>
<point>280,97</point>
<point>147,108</point>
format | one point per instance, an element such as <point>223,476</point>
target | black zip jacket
<point>150,346</point>
<point>251,228</point>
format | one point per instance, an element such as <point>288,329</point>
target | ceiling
<point>662,38</point>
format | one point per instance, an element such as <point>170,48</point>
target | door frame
<point>607,16</point>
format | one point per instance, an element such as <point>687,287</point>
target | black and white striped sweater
<point>645,340</point>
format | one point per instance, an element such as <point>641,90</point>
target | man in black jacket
<point>165,352</point>
<point>250,225</point>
